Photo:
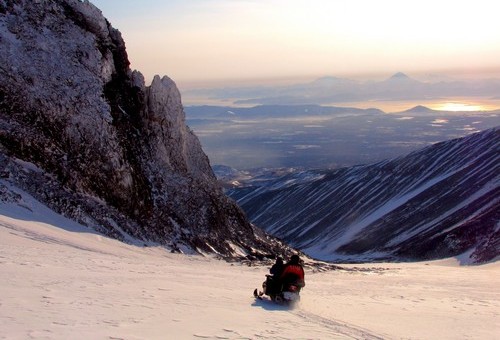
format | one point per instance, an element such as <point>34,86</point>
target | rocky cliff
<point>83,133</point>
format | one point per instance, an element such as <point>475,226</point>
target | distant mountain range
<point>328,90</point>
<point>441,201</point>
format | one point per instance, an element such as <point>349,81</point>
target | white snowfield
<point>59,280</point>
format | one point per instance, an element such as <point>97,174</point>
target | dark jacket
<point>277,268</point>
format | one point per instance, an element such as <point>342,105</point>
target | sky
<point>201,41</point>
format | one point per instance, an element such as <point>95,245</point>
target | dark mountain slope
<point>437,202</point>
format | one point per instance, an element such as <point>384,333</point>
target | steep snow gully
<point>61,280</point>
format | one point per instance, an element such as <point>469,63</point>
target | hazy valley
<point>313,136</point>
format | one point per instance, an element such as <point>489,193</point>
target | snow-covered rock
<point>108,150</point>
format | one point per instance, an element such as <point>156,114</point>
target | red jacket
<point>293,273</point>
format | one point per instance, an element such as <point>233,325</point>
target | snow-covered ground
<point>58,280</point>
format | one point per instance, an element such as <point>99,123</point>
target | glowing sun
<point>458,107</point>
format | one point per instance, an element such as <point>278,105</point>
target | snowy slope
<point>60,280</point>
<point>434,203</point>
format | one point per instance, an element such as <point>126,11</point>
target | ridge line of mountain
<point>437,202</point>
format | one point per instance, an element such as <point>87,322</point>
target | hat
<point>295,259</point>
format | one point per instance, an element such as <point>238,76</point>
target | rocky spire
<point>174,143</point>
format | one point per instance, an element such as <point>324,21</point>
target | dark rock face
<point>439,202</point>
<point>109,151</point>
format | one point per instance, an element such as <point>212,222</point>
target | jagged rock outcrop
<point>102,147</point>
<point>438,202</point>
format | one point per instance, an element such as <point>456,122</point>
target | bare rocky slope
<point>82,133</point>
<point>438,202</point>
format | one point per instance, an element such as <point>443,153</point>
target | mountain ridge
<point>420,109</point>
<point>336,90</point>
<point>400,76</point>
<point>437,202</point>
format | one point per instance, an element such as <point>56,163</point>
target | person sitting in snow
<point>293,272</point>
